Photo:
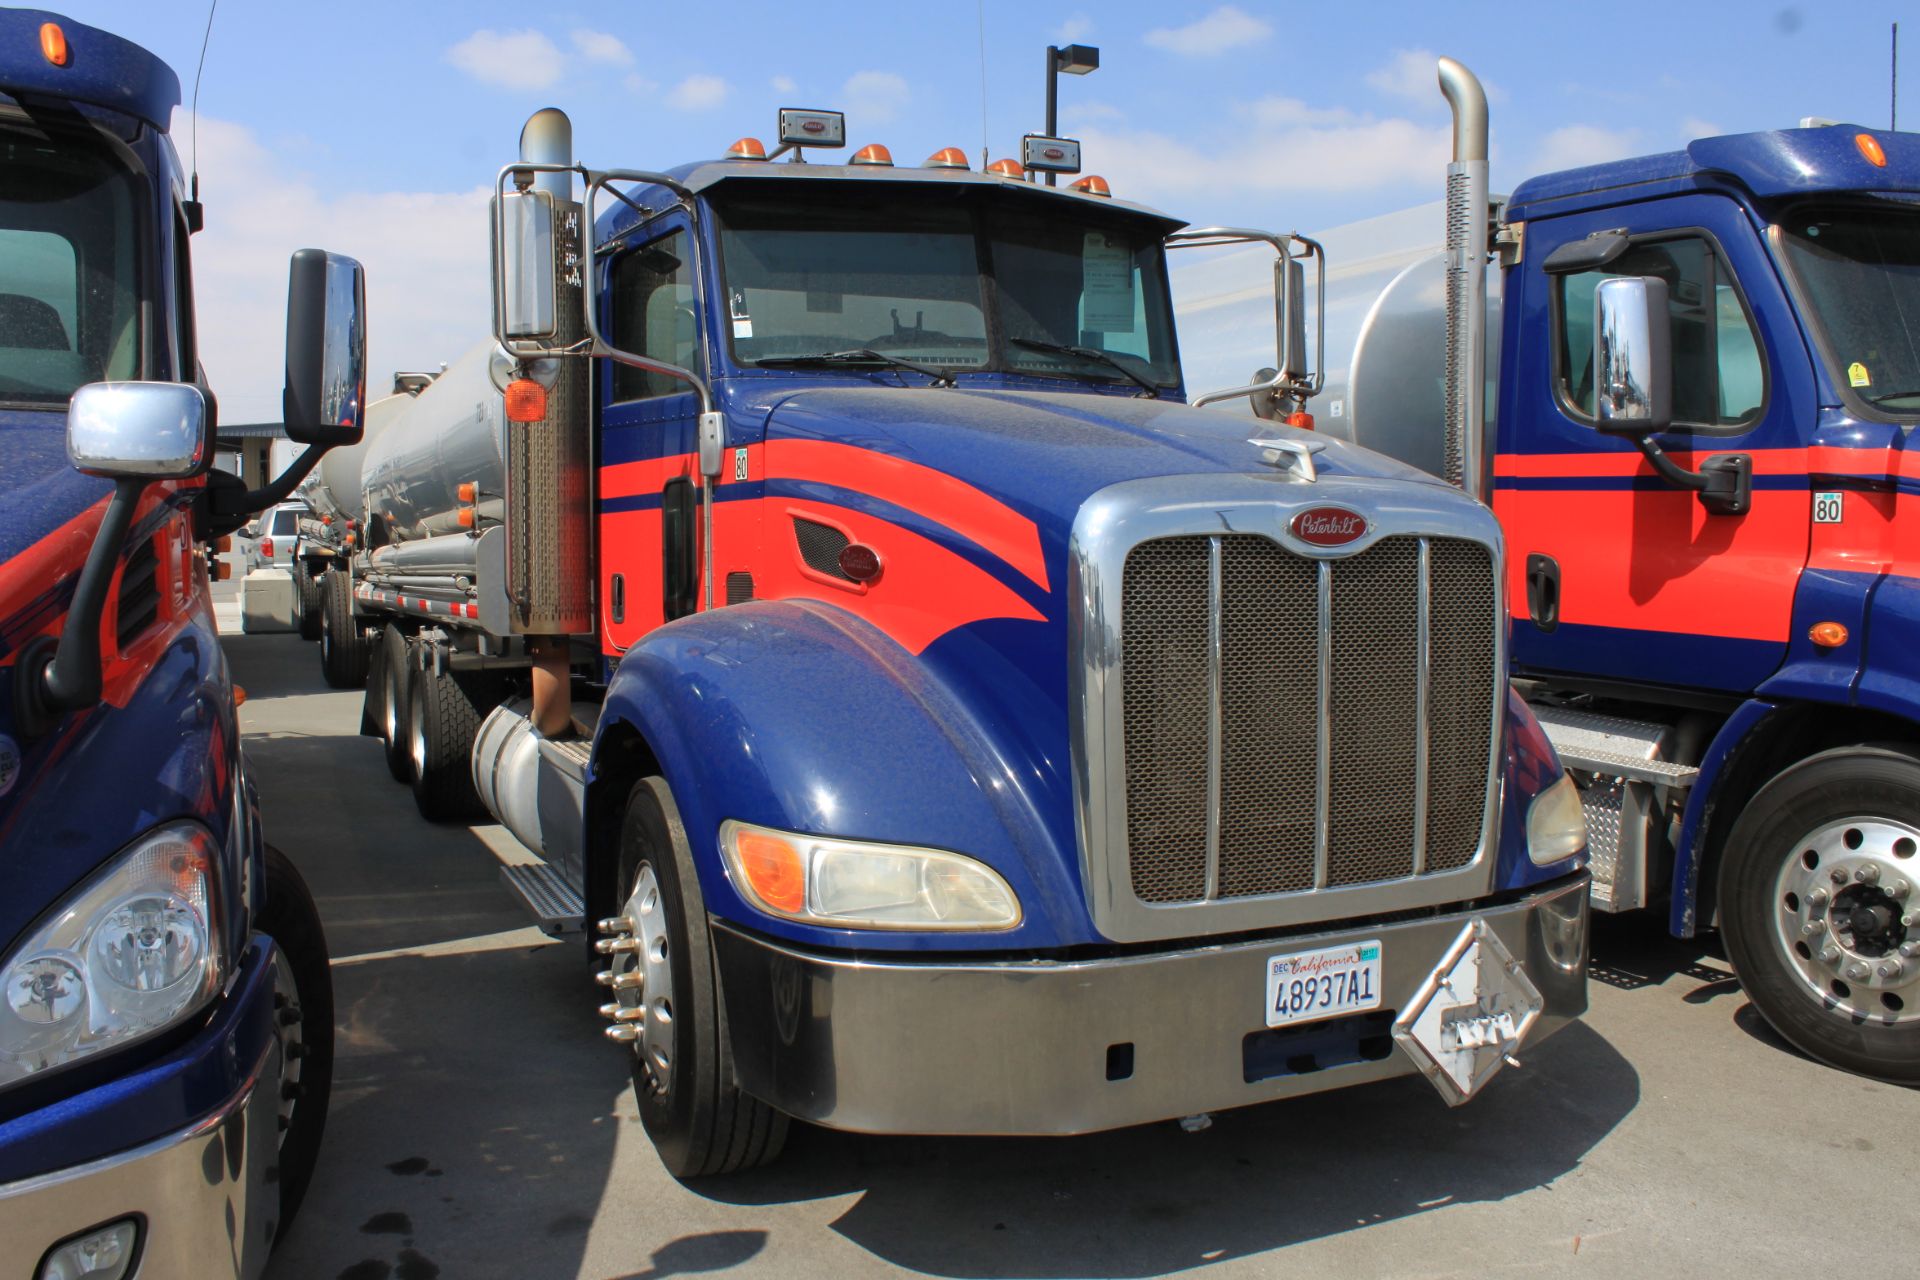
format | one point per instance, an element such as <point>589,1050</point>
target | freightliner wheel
<point>395,670</point>
<point>343,650</point>
<point>1820,902</point>
<point>444,712</point>
<point>308,604</point>
<point>303,1024</point>
<point>666,1004</point>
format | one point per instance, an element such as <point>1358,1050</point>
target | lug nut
<point>1818,898</point>
<point>632,980</point>
<point>1891,969</point>
<point>623,1032</point>
<point>605,977</point>
<point>612,946</point>
<point>1813,928</point>
<point>1868,874</point>
<point>1898,890</point>
<point>1830,956</point>
<point>1838,875</point>
<point>614,924</point>
<point>298,1050</point>
<point>293,1091</point>
<point>1910,949</point>
<point>288,1015</point>
<point>1859,972</point>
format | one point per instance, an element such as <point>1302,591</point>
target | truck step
<point>1613,746</point>
<point>547,896</point>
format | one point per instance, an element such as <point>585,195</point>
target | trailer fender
<point>797,715</point>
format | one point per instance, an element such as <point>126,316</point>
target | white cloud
<point>1221,31</point>
<point>1280,113</point>
<point>1411,74</point>
<point>509,59</point>
<point>637,83</point>
<point>1091,111</point>
<point>1574,145</point>
<point>697,93</point>
<point>424,251</point>
<point>1694,127</point>
<point>874,96</point>
<point>784,84</point>
<point>599,46</point>
<point>1073,28</point>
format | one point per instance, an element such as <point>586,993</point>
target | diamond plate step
<point>546,895</point>
<point>1612,745</point>
<point>1661,772</point>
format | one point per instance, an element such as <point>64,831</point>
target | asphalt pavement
<point>482,1127</point>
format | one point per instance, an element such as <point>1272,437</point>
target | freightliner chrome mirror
<point>1632,355</point>
<point>326,391</point>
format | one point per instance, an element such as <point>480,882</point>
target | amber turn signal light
<point>1828,635</point>
<point>1870,148</point>
<point>773,870</point>
<point>53,43</point>
<point>526,401</point>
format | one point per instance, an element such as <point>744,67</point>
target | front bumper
<point>201,1193</point>
<point>1029,1047</point>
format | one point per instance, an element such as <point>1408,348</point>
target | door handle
<point>1543,591</point>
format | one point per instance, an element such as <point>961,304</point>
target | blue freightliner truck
<point>165,1006</point>
<point>943,726</point>
<point>1708,380</point>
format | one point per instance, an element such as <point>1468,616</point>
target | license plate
<point>1309,985</point>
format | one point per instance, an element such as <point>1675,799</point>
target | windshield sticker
<point>1857,375</point>
<point>1107,284</point>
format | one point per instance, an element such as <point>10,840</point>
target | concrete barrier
<point>266,601</point>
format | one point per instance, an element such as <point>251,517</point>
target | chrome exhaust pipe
<point>547,138</point>
<point>1468,197</point>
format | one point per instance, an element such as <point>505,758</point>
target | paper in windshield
<point>1107,286</point>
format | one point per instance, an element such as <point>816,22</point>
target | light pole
<point>1075,60</point>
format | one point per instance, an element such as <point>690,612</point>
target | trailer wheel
<point>444,711</point>
<point>395,668</point>
<point>343,650</point>
<point>1820,903</point>
<point>303,1025</point>
<point>308,604</point>
<point>699,1120</point>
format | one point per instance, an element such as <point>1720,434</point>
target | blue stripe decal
<point>1580,484</point>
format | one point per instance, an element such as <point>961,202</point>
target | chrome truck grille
<point>1274,733</point>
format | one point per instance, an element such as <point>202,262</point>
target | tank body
<point>452,433</point>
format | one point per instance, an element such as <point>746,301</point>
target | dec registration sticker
<point>1309,985</point>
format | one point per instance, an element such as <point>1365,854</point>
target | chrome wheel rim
<point>1845,914</point>
<point>390,712</point>
<point>289,1027</point>
<point>644,950</point>
<point>417,738</point>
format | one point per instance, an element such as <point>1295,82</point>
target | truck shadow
<point>1153,1200</point>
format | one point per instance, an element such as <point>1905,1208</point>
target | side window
<point>1718,377</point>
<point>653,315</point>
<point>185,357</point>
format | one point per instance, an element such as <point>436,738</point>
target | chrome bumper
<point>207,1211</point>
<point>1028,1047</point>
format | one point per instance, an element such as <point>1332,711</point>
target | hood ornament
<point>1297,454</point>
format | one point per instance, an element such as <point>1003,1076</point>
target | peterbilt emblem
<point>814,126</point>
<point>1054,153</point>
<point>1328,526</point>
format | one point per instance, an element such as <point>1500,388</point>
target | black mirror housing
<point>326,389</point>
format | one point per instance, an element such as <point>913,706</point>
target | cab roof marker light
<point>747,149</point>
<point>873,153</point>
<point>1093,185</point>
<point>947,158</point>
<point>1008,168</point>
<point>53,44</point>
<point>1870,148</point>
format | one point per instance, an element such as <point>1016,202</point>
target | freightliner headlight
<point>854,884</point>
<point>134,951</point>
<point>1556,827</point>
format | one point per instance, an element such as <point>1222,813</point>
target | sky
<point>375,129</point>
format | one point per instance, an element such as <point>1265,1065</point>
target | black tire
<point>444,712</point>
<point>700,1122</point>
<point>303,1017</point>
<point>396,674</point>
<point>308,605</point>
<point>371,710</point>
<point>343,650</point>
<point>1858,797</point>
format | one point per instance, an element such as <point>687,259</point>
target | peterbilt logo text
<point>1328,526</point>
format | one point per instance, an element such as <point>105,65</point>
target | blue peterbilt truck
<point>165,1005</point>
<point>944,726</point>
<point>1707,381</point>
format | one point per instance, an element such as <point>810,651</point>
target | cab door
<point>648,475</point>
<point>1613,572</point>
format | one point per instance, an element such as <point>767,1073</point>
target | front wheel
<point>1821,910</point>
<point>303,1024</point>
<point>667,1006</point>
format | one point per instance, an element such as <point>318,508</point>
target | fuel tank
<point>452,433</point>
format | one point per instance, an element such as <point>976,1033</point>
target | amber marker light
<point>874,153</point>
<point>1828,635</point>
<point>748,149</point>
<point>53,43</point>
<point>468,491</point>
<point>773,870</point>
<point>948,158</point>
<point>526,401</point>
<point>464,518</point>
<point>1093,185</point>
<point>1300,419</point>
<point>1008,168</point>
<point>1870,148</point>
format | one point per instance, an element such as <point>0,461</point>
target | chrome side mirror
<point>138,430</point>
<point>326,391</point>
<point>1632,355</point>
<point>525,288</point>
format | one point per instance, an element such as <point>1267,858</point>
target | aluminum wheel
<point>289,1026</point>
<point>642,969</point>
<point>417,726</point>
<point>394,688</point>
<point>1848,921</point>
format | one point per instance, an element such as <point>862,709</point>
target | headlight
<point>1556,827</point>
<point>852,884</point>
<point>136,950</point>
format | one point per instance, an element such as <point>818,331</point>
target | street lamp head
<point>1077,59</point>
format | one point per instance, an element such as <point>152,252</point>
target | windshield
<point>952,281</point>
<point>69,296</point>
<point>1860,270</point>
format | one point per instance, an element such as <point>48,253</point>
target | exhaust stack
<point>1468,196</point>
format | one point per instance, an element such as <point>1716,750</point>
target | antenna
<point>1893,106</point>
<point>980,9</point>
<point>196,216</point>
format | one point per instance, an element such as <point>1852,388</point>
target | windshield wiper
<point>859,355</point>
<point>1089,353</point>
<point>1892,395</point>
